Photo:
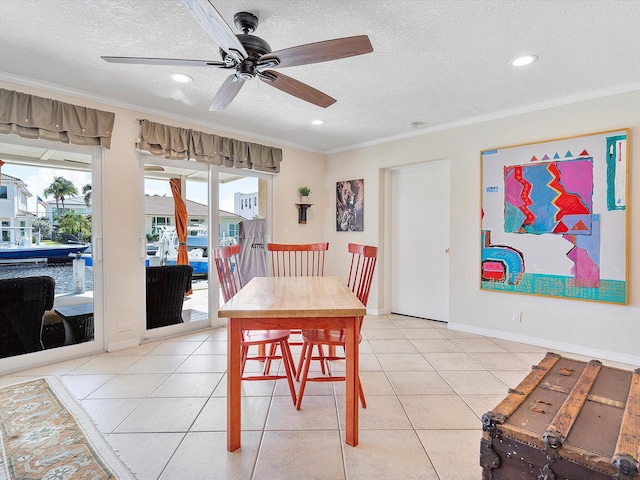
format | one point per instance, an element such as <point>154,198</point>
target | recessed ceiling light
<point>523,60</point>
<point>317,122</point>
<point>181,77</point>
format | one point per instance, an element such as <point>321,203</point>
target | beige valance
<point>35,117</point>
<point>182,144</point>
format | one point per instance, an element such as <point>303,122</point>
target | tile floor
<point>162,406</point>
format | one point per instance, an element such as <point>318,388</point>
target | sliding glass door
<point>176,216</point>
<point>50,241</point>
<point>220,204</point>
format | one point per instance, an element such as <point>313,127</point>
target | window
<point>157,222</point>
<point>233,230</point>
<point>3,192</point>
<point>5,233</point>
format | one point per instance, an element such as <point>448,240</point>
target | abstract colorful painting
<point>550,197</point>
<point>554,218</point>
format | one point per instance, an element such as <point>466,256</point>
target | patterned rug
<point>45,434</point>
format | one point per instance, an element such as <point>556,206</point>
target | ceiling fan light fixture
<point>181,78</point>
<point>523,60</point>
<point>317,122</point>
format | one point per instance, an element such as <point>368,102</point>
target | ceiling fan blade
<point>296,88</point>
<point>213,23</point>
<point>321,51</point>
<point>164,61</point>
<point>227,93</point>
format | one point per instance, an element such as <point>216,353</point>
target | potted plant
<point>304,194</point>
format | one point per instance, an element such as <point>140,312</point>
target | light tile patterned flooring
<point>162,406</point>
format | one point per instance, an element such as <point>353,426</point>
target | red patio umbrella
<point>181,217</point>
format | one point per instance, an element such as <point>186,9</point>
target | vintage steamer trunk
<point>566,420</point>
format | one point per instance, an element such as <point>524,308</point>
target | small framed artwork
<point>554,218</point>
<point>350,206</point>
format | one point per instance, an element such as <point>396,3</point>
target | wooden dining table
<point>286,303</point>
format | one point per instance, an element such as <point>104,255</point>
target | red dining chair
<point>297,260</point>
<point>363,265</point>
<point>226,260</point>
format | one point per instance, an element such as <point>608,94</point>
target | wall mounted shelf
<point>302,211</point>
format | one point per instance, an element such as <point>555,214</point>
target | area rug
<point>45,434</point>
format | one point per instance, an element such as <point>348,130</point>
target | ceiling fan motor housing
<point>256,47</point>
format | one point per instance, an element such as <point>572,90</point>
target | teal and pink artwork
<point>554,218</point>
<point>552,197</point>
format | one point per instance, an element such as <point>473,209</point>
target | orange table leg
<point>352,380</point>
<point>234,413</point>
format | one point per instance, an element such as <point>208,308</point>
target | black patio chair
<point>23,302</point>
<point>166,288</point>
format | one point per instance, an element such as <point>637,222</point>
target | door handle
<point>447,251</point>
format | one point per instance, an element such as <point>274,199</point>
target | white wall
<point>594,329</point>
<point>299,168</point>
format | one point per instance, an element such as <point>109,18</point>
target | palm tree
<point>60,188</point>
<point>86,191</point>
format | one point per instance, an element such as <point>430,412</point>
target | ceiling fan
<point>250,56</point>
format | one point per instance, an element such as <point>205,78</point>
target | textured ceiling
<point>434,62</point>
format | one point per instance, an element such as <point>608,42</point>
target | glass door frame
<point>213,172</point>
<point>98,229</point>
<point>214,193</point>
<point>147,335</point>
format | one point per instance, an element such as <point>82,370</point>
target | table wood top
<point>293,297</point>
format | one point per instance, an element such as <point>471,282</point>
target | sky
<point>197,191</point>
<point>38,179</point>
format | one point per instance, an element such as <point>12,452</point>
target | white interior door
<point>419,213</point>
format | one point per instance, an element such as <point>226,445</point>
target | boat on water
<point>25,250</point>
<point>198,237</point>
<point>40,252</point>
<point>167,253</point>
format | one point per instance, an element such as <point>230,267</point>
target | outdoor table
<point>78,322</point>
<point>286,303</point>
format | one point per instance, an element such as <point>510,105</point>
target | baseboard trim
<point>550,344</point>
<point>114,347</point>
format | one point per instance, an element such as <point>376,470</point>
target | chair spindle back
<point>363,266</point>
<point>297,260</point>
<point>226,259</point>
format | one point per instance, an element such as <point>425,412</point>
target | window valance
<point>35,117</point>
<point>182,144</point>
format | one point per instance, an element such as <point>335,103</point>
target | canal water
<point>61,273</point>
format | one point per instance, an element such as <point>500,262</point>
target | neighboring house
<point>246,204</point>
<point>15,219</point>
<point>71,204</point>
<point>159,212</point>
